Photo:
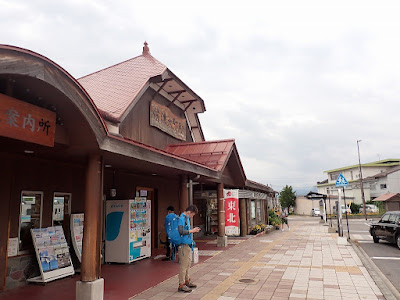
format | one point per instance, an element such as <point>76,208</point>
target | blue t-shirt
<point>185,222</point>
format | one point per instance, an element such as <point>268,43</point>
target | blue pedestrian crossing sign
<point>341,181</point>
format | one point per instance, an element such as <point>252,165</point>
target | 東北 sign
<point>26,122</point>
<point>231,198</point>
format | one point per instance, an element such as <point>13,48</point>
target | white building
<point>376,179</point>
<point>385,182</point>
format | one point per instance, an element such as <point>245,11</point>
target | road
<point>386,256</point>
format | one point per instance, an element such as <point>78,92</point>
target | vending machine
<point>128,230</point>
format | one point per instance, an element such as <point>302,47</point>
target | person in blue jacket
<point>185,249</point>
<point>168,218</point>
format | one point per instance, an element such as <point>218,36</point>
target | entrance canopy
<point>34,79</point>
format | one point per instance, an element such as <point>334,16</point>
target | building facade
<point>69,145</point>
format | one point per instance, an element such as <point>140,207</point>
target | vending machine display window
<point>30,217</point>
<point>61,207</point>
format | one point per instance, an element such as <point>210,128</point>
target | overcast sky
<point>296,85</point>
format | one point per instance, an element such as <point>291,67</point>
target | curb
<point>386,287</point>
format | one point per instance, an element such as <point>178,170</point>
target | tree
<point>287,197</point>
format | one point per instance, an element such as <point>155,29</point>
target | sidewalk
<point>303,263</point>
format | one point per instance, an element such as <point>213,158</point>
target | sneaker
<point>184,289</point>
<point>166,258</point>
<point>191,285</point>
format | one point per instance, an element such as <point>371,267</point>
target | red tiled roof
<point>113,89</point>
<point>387,196</point>
<point>156,150</point>
<point>213,154</point>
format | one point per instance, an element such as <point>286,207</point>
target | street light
<point>361,180</point>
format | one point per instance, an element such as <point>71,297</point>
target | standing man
<point>185,249</point>
<point>168,218</point>
<point>284,217</point>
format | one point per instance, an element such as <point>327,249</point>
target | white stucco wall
<point>393,182</point>
<point>304,205</point>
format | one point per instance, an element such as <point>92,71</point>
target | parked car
<point>315,212</point>
<point>344,209</point>
<point>370,209</point>
<point>387,228</point>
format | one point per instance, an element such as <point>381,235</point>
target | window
<point>385,218</point>
<point>253,210</point>
<point>397,220</point>
<point>61,207</point>
<point>383,186</point>
<point>392,219</point>
<point>258,214</point>
<point>30,217</point>
<point>334,176</point>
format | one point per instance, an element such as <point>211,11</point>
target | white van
<point>344,209</point>
<point>370,209</point>
<point>315,212</point>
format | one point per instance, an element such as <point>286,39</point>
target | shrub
<point>355,208</point>
<point>273,219</point>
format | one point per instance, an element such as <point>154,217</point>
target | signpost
<point>341,182</point>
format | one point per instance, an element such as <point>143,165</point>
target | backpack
<point>172,232</point>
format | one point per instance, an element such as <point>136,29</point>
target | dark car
<point>387,228</point>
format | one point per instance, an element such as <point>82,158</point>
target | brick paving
<point>303,263</point>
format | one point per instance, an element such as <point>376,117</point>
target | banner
<point>231,200</point>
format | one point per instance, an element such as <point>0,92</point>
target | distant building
<point>377,177</point>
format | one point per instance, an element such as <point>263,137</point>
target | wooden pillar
<point>5,196</point>
<point>90,268</point>
<point>243,217</point>
<point>221,210</point>
<point>184,197</point>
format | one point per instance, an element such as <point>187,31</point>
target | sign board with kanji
<point>231,198</point>
<point>341,181</point>
<point>26,122</point>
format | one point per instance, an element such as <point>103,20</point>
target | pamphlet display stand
<point>52,254</point>
<point>77,234</point>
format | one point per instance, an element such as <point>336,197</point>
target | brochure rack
<point>52,254</point>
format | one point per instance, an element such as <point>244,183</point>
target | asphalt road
<point>386,256</point>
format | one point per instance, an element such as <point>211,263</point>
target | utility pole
<point>361,180</point>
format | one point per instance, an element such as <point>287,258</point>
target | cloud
<point>296,84</point>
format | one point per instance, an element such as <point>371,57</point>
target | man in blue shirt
<point>185,249</point>
<point>168,218</point>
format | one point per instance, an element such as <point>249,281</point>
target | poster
<point>77,233</point>
<point>12,247</point>
<point>231,200</point>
